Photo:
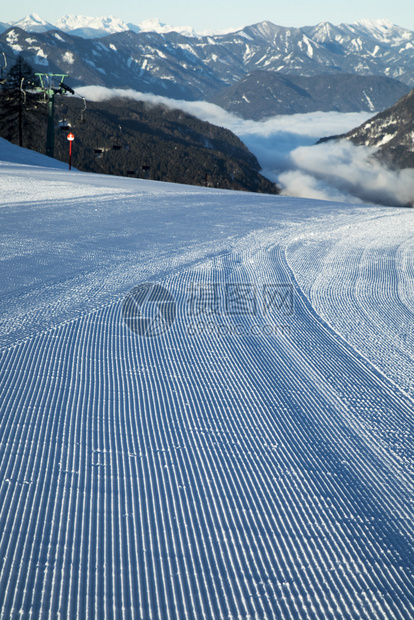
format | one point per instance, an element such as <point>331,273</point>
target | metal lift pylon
<point>46,81</point>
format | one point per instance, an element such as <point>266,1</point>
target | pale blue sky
<point>216,14</point>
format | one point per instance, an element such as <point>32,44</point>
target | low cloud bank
<point>342,171</point>
<point>285,148</point>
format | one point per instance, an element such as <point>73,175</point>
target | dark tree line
<point>21,106</point>
<point>130,138</point>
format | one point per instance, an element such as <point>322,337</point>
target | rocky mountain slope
<point>392,132</point>
<point>265,93</point>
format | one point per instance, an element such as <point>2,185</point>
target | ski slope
<point>250,456</point>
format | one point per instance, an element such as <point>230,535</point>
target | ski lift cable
<point>82,113</point>
<point>87,104</point>
<point>47,83</point>
<point>6,64</point>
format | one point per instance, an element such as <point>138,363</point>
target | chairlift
<point>64,125</point>
<point>98,152</point>
<point>131,173</point>
<point>116,146</point>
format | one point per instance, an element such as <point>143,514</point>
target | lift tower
<point>47,81</point>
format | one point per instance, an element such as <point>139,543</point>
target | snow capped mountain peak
<point>154,25</point>
<point>33,18</point>
<point>91,27</point>
<point>71,22</point>
<point>381,29</point>
<point>375,24</point>
<point>34,23</point>
<point>221,31</point>
<point>264,30</point>
<point>323,30</point>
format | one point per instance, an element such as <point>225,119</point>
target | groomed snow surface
<point>237,445</point>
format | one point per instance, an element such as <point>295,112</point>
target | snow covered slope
<point>234,440</point>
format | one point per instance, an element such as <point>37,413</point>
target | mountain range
<point>93,27</point>
<point>181,64</point>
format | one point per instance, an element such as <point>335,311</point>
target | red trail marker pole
<point>71,138</point>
